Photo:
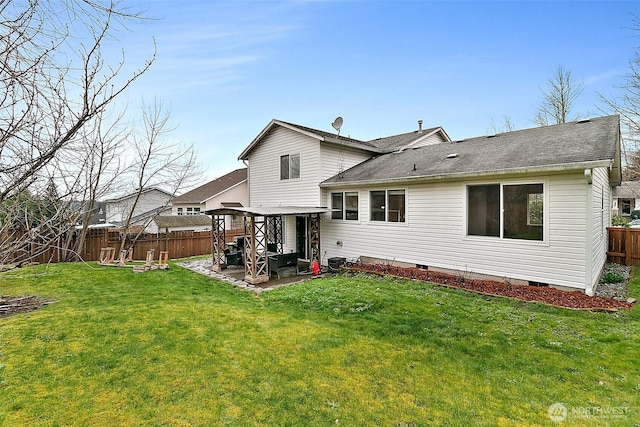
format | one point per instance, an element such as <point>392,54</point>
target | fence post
<point>627,246</point>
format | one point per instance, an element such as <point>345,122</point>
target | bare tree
<point>506,126</point>
<point>627,105</point>
<point>98,154</point>
<point>558,98</point>
<point>158,162</point>
<point>52,81</point>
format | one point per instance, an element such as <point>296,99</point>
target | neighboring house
<point>230,189</point>
<point>98,214</point>
<point>527,206</point>
<point>169,223</point>
<point>626,198</point>
<point>153,201</point>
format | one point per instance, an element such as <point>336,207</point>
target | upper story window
<point>180,212</point>
<point>192,211</point>
<point>387,205</point>
<point>521,205</point>
<point>290,166</point>
<point>347,203</point>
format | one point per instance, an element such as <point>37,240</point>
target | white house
<point>169,223</point>
<point>229,190</point>
<point>152,201</point>
<point>529,206</point>
<point>626,198</point>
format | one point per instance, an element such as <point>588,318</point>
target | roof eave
<point>476,174</point>
<point>371,148</point>
<point>254,142</point>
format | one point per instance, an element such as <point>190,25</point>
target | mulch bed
<point>12,305</point>
<point>542,294</point>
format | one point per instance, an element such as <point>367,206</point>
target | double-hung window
<point>510,211</point>
<point>387,205</point>
<point>290,166</point>
<point>346,205</point>
<point>193,211</point>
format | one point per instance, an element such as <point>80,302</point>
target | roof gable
<point>410,139</point>
<point>571,145</point>
<point>213,188</point>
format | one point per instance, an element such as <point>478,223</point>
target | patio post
<point>218,238</point>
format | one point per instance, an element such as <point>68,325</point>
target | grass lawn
<point>175,348</point>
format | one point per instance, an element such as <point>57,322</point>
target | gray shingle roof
<point>396,142</point>
<point>627,190</point>
<point>171,221</point>
<point>379,145</point>
<point>557,146</point>
<point>211,188</point>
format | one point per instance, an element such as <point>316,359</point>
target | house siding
<point>267,189</point>
<point>601,214</point>
<point>238,193</point>
<point>318,161</point>
<point>117,211</point>
<point>435,233</point>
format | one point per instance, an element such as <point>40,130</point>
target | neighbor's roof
<point>585,143</point>
<point>213,188</point>
<point>172,221</point>
<point>134,193</point>
<point>627,190</point>
<point>379,145</point>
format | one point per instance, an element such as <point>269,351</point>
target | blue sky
<point>226,68</point>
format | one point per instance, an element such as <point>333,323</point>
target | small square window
<point>290,166</point>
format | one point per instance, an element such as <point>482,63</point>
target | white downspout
<point>248,183</point>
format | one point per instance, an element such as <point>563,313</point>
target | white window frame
<point>386,203</point>
<point>289,156</point>
<point>343,195</point>
<point>545,212</point>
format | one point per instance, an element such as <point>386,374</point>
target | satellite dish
<point>337,124</point>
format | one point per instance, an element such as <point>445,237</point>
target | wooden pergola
<point>262,231</point>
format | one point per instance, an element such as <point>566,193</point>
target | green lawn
<point>174,348</point>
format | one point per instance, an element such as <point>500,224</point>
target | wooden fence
<point>179,244</point>
<point>624,245</point>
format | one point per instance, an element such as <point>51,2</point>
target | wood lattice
<point>314,237</point>
<point>274,232</point>
<point>218,237</point>
<point>255,265</point>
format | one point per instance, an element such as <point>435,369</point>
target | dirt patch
<point>542,294</point>
<point>13,305</point>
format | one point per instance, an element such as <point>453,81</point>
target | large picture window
<point>521,205</point>
<point>387,205</point>
<point>347,205</point>
<point>290,166</point>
